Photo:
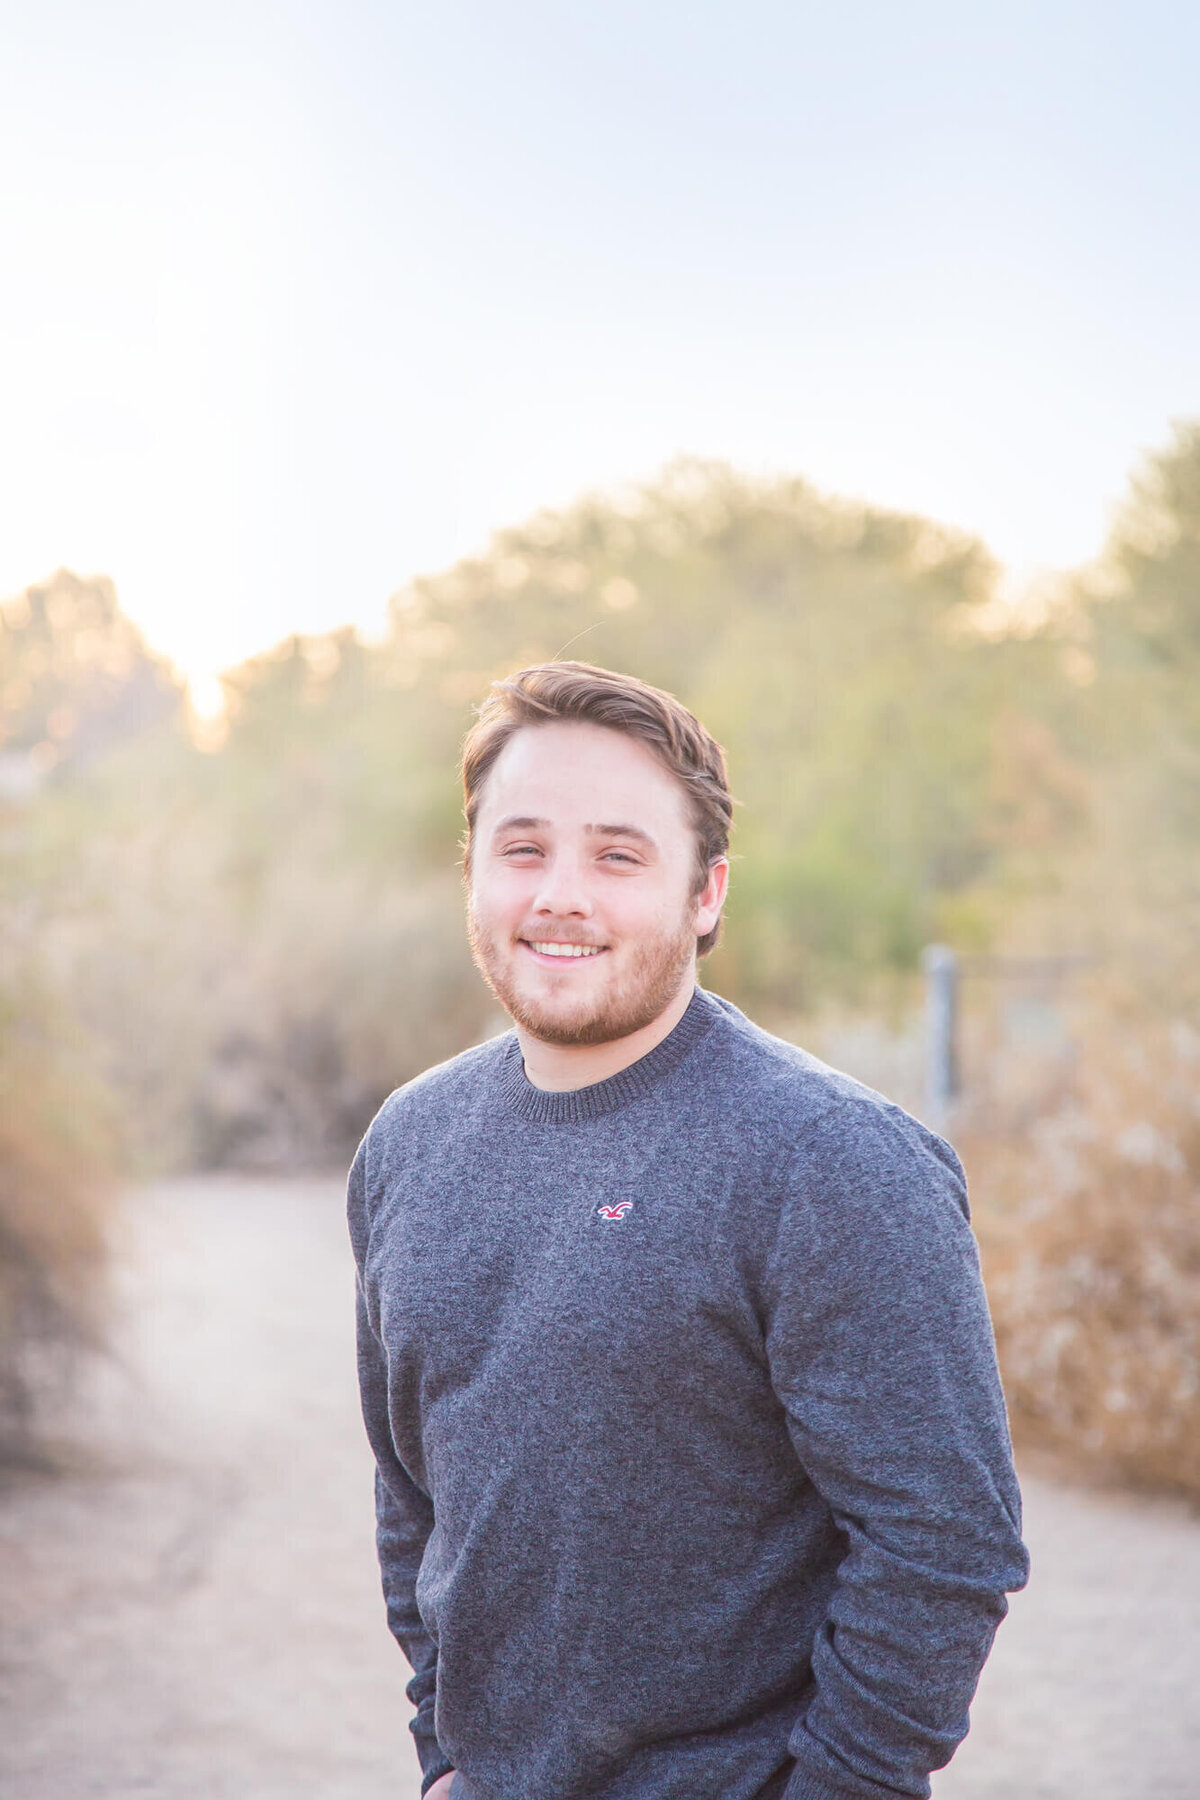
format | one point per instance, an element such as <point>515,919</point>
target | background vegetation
<point>225,945</point>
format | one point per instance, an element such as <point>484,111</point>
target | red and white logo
<point>615,1212</point>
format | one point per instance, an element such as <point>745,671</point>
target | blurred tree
<point>268,937</point>
<point>75,679</point>
<point>1127,645</point>
<point>837,652</point>
<point>229,948</point>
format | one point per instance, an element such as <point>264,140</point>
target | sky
<point>298,301</point>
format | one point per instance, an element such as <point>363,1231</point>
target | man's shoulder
<point>793,1096</point>
<point>764,1070</point>
<point>446,1089</point>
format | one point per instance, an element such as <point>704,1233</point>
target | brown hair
<point>550,692</point>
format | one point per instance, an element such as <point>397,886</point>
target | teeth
<point>567,949</point>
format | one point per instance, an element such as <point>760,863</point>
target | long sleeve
<point>403,1512</point>
<point>881,1351</point>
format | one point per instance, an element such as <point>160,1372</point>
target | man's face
<point>581,912</point>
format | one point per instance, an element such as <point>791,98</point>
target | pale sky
<point>299,300</point>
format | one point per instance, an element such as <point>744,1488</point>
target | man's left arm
<point>881,1350</point>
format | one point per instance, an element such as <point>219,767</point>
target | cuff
<point>434,1772</point>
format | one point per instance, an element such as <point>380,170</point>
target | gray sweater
<point>694,1477</point>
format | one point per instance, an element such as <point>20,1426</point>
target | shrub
<point>55,1151</point>
<point>1089,1224</point>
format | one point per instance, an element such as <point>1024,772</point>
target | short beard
<point>650,986</point>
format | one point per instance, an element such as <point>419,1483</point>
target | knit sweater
<point>693,1472</point>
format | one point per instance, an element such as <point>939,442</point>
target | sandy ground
<point>193,1613</point>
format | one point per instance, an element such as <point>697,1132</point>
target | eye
<point>619,856</point>
<point>515,850</point>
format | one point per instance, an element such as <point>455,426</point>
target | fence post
<point>941,1031</point>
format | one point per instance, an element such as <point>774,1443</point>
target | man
<point>694,1479</point>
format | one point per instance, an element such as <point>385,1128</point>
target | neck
<point>560,1068</point>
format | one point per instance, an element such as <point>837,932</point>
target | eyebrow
<point>524,822</point>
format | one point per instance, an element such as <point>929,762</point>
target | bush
<point>1089,1224</point>
<point>55,1149</point>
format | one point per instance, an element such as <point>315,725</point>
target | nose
<point>562,891</point>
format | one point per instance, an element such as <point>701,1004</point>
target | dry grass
<point>1089,1225</point>
<point>53,1209</point>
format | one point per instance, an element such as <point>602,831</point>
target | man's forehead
<point>570,766</point>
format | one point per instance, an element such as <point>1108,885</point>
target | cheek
<point>646,913</point>
<point>483,901</point>
<point>500,899</point>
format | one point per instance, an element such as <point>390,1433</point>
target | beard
<point>651,981</point>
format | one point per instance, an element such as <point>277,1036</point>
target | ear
<point>711,897</point>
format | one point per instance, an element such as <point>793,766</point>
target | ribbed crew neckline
<point>573,1106</point>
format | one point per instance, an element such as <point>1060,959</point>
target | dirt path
<point>196,1615</point>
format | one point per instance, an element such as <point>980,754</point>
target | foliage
<point>248,936</point>
<point>75,682</point>
<point>75,678</point>
<point>837,653</point>
<point>1090,1230</point>
<point>56,1148</point>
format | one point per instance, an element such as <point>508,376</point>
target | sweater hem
<point>804,1785</point>
<point>813,1784</point>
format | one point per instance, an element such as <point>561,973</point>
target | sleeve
<point>403,1511</point>
<point>882,1354</point>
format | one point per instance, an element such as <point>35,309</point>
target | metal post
<point>941,1032</point>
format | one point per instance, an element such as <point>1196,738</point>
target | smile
<point>563,950</point>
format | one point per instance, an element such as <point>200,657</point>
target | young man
<point>694,1479</point>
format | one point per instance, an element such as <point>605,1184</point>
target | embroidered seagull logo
<point>615,1212</point>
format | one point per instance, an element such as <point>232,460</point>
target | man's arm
<point>882,1353</point>
<point>403,1512</point>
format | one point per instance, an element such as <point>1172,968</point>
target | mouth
<point>560,953</point>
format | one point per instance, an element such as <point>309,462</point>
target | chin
<point>580,1022</point>
<point>633,995</point>
<point>594,1027</point>
<point>569,1019</point>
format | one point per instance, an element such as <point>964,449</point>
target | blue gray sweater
<point>694,1477</point>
